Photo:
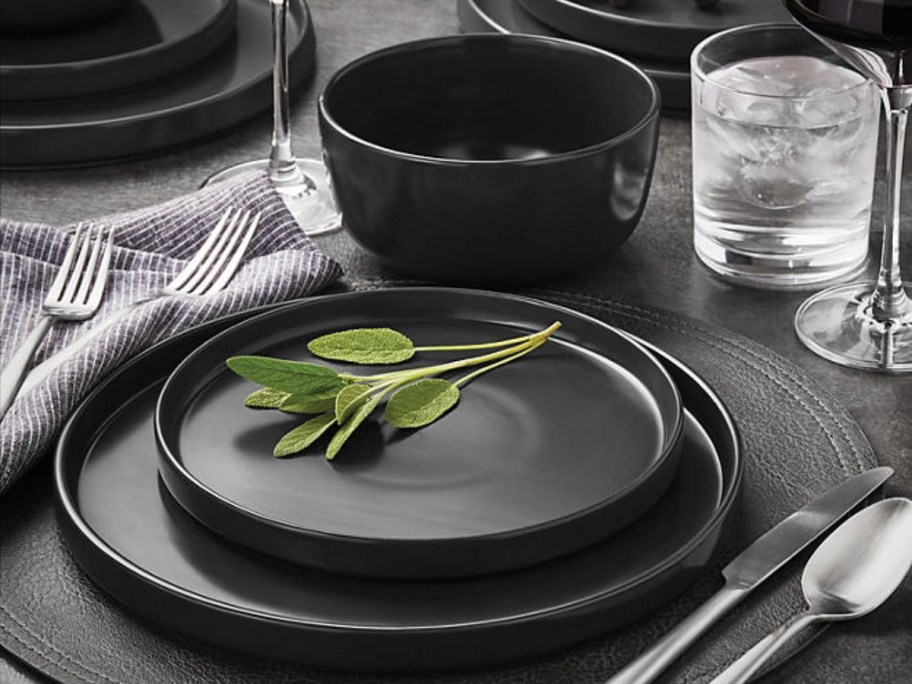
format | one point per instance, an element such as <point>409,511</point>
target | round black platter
<point>539,458</point>
<point>140,547</point>
<point>508,16</point>
<point>654,29</point>
<point>230,85</point>
<point>144,40</point>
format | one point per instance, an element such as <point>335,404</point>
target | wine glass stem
<point>282,163</point>
<point>890,301</point>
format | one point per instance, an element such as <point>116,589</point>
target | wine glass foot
<point>306,194</point>
<point>838,325</point>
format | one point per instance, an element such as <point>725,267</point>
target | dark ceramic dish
<point>508,16</point>
<point>655,29</point>
<point>148,39</point>
<point>488,158</point>
<point>45,16</point>
<point>137,544</point>
<point>539,459</point>
<point>231,85</point>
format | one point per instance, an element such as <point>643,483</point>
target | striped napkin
<point>151,246</point>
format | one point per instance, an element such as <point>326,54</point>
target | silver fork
<point>207,273</point>
<point>74,295</point>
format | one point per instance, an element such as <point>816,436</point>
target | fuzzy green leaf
<point>304,435</point>
<point>421,403</point>
<point>267,397</point>
<point>349,399</point>
<point>294,377</point>
<point>350,425</point>
<point>318,402</point>
<point>364,345</point>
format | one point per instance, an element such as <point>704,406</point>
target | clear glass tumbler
<point>784,150</point>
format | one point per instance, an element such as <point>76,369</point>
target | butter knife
<point>751,567</point>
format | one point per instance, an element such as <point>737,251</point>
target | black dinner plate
<point>654,29</point>
<point>144,40</point>
<point>161,564</point>
<point>508,16</point>
<point>539,458</point>
<point>230,85</point>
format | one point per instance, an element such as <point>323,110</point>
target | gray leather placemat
<point>797,442</point>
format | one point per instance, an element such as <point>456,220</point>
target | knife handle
<point>653,661</point>
<point>11,377</point>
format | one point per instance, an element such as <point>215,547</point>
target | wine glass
<point>302,183</point>
<point>868,324</point>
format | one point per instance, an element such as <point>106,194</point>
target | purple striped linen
<point>151,246</point>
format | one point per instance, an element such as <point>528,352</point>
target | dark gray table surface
<point>655,267</point>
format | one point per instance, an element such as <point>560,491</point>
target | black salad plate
<point>228,86</point>
<point>508,16</point>
<point>654,29</point>
<point>540,457</point>
<point>138,545</point>
<point>145,40</point>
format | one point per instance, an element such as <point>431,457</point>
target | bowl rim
<point>651,114</point>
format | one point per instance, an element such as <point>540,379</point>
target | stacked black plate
<point>565,495</point>
<point>657,35</point>
<point>150,76</point>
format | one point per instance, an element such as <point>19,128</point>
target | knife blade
<point>751,567</point>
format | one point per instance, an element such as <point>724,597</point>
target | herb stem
<point>491,366</point>
<point>481,345</point>
<point>430,371</point>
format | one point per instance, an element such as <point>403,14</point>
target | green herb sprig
<point>417,396</point>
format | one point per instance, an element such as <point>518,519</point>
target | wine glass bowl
<point>867,325</point>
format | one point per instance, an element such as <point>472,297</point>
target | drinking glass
<point>784,153</point>
<point>302,183</point>
<point>867,325</point>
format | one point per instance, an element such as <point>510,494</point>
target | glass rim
<point>698,72</point>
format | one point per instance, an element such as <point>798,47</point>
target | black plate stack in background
<point>656,35</point>
<point>141,77</point>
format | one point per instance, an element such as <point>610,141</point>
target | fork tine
<point>78,268</point>
<point>101,275</point>
<point>231,267</point>
<point>190,269</point>
<point>213,255</point>
<point>219,277</point>
<point>61,277</point>
<point>87,277</point>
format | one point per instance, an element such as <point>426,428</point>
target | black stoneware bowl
<point>43,16</point>
<point>490,159</point>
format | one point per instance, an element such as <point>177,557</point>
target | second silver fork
<point>208,272</point>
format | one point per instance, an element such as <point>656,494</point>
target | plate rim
<point>70,509</point>
<point>30,70</point>
<point>663,465</point>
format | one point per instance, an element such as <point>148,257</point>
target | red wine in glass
<point>867,325</point>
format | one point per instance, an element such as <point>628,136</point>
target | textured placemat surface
<point>797,443</point>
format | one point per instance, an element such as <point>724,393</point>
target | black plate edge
<point>107,139</point>
<point>417,559</point>
<point>118,577</point>
<point>119,71</point>
<point>674,85</point>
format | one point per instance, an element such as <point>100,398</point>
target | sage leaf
<point>373,346</point>
<point>304,435</point>
<point>295,377</point>
<point>421,403</point>
<point>266,397</point>
<point>318,402</point>
<point>349,399</point>
<point>350,425</point>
